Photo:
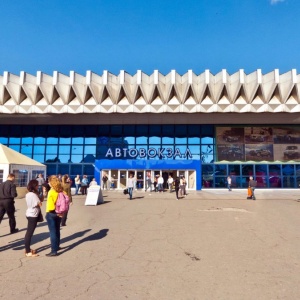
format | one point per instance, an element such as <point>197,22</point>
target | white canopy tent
<point>23,167</point>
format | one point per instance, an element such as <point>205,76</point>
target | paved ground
<point>213,244</point>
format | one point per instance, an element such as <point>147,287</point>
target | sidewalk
<point>213,244</point>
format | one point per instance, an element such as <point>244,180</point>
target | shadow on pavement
<point>93,237</point>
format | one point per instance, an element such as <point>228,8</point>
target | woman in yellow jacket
<point>52,218</point>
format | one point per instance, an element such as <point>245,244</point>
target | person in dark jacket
<point>8,192</point>
<point>252,185</point>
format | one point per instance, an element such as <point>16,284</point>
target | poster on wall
<point>231,152</point>
<point>286,135</point>
<point>259,152</point>
<point>258,143</point>
<point>287,152</point>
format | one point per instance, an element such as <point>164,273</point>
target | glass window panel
<point>207,140</point>
<point>52,140</point>
<point>154,140</point>
<point>40,130</point>
<point>77,149</point>
<point>116,130</point>
<point>39,158</point>
<point>76,169</point>
<point>193,130</point>
<point>51,169</point>
<point>234,170</point>
<point>142,140</point>
<point>51,149</point>
<point>64,158</point>
<point>91,131</point>
<point>76,158</point>
<point>194,149</point>
<point>15,130</point>
<point>63,169</point>
<point>39,140</point>
<point>65,130</point>
<point>274,181</point>
<point>167,130</point>
<point>247,170</point>
<point>26,149</point>
<point>220,170</point>
<point>261,170</point>
<point>155,130</point>
<point>53,130</point>
<point>90,141</point>
<point>39,149</point>
<point>207,175</point>
<point>27,140</point>
<point>51,158</point>
<point>244,183</point>
<point>261,181</point>
<point>206,153</point>
<point>15,147</point>
<point>288,182</point>
<point>288,170</point>
<point>129,130</point>
<point>207,130</point>
<point>297,170</point>
<point>89,158</point>
<point>14,140</point>
<point>90,150</point>
<point>103,130</point>
<point>181,130</point>
<point>89,170</point>
<point>193,140</point>
<point>77,140</point>
<point>64,149</point>
<point>220,182</point>
<point>64,140</point>
<point>168,140</point>
<point>3,140</point>
<point>129,140</point>
<point>27,130</point>
<point>101,151</point>
<point>180,140</point>
<point>274,170</point>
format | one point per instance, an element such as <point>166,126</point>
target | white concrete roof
<point>10,156</point>
<point>155,93</point>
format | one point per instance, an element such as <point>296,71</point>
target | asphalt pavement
<point>212,244</point>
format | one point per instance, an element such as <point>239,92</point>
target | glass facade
<point>73,149</point>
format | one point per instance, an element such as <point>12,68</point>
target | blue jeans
<point>54,228</point>
<point>77,188</point>
<point>130,190</point>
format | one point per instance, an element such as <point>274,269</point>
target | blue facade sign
<point>151,152</point>
<point>109,164</point>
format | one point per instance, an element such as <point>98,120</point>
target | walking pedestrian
<point>8,192</point>
<point>77,184</point>
<point>84,185</point>
<point>148,183</point>
<point>170,183</point>
<point>160,184</point>
<point>177,184</point>
<point>32,213</point>
<point>229,183</point>
<point>252,185</point>
<point>104,181</point>
<point>130,185</point>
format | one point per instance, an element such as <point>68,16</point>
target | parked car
<point>230,136</point>
<point>233,152</point>
<point>291,152</point>
<point>260,152</point>
<point>257,138</point>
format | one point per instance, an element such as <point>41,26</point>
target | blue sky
<point>131,35</point>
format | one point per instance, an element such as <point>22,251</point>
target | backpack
<point>62,203</point>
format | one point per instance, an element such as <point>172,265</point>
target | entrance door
<point>114,179</point>
<point>123,179</point>
<point>140,179</point>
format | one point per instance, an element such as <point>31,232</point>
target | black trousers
<point>32,222</point>
<point>8,206</point>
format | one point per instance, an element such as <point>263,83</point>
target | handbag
<point>125,192</point>
<point>40,217</point>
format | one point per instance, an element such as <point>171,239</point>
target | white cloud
<point>276,1</point>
